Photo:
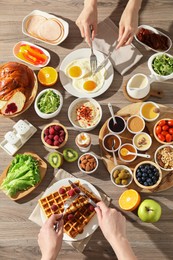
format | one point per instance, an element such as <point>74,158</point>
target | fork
<point>67,204</point>
<point>93,58</point>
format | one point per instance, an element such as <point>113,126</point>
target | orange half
<point>48,76</point>
<point>129,200</point>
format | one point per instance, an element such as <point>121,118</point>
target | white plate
<point>92,225</point>
<point>48,16</point>
<point>80,54</point>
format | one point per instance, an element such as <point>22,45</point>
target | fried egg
<point>90,83</point>
<point>78,69</point>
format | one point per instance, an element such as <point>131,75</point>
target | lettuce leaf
<point>22,174</point>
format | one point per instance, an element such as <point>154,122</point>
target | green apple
<point>149,211</point>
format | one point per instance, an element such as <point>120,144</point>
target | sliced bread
<point>14,105</point>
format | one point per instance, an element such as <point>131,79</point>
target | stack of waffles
<point>79,213</point>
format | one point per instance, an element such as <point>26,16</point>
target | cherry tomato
<point>162,122</point>
<point>168,138</point>
<point>164,133</point>
<point>170,122</point>
<point>158,129</point>
<point>161,137</point>
<point>170,131</point>
<point>165,127</point>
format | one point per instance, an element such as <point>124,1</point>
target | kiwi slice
<point>55,159</point>
<point>70,155</point>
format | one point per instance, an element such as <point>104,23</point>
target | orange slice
<point>129,200</point>
<point>48,76</point>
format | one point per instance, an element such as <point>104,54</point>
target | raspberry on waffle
<point>77,215</point>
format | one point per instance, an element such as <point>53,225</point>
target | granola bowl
<point>164,157</point>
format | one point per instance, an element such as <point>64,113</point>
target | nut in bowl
<point>121,176</point>
<point>164,157</point>
<point>147,175</point>
<point>88,163</point>
<point>48,103</point>
<point>85,113</point>
<point>54,135</point>
<point>163,131</point>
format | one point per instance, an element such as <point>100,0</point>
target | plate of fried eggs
<point>77,79</point>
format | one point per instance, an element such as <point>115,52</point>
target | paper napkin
<point>122,59</point>
<point>36,215</point>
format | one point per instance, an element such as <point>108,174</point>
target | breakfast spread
<point>80,212</point>
<point>17,82</point>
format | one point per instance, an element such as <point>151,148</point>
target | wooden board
<point>126,137</point>
<point>42,169</point>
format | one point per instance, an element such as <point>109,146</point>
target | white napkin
<point>36,215</point>
<point>122,59</point>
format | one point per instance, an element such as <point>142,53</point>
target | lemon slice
<point>48,76</point>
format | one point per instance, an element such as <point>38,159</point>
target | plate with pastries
<point>80,218</point>
<point>18,88</point>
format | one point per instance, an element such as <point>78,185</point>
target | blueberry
<point>149,180</point>
<point>145,183</point>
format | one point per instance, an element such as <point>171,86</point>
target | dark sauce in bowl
<point>119,127</point>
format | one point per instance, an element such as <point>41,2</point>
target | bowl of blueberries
<point>147,175</point>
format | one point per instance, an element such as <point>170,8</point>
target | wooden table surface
<point>18,235</point>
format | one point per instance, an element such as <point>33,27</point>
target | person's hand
<point>128,23</point>
<point>49,240</point>
<point>111,222</point>
<point>87,20</point>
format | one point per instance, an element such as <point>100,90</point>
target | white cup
<point>138,86</point>
<point>83,142</point>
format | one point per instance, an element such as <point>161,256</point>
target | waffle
<point>77,215</point>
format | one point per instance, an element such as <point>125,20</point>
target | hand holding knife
<point>83,194</point>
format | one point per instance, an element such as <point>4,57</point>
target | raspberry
<point>48,141</point>
<point>56,138</point>
<point>54,207</point>
<point>51,136</point>
<point>61,190</point>
<point>56,143</point>
<point>77,190</point>
<point>57,127</point>
<point>46,131</point>
<point>51,131</point>
<point>91,208</point>
<point>71,193</point>
<point>70,216</point>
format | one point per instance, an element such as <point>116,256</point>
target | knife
<point>83,194</point>
<point>103,63</point>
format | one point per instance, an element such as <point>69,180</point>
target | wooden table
<point>18,235</point>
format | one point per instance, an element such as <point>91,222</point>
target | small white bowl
<point>133,124</point>
<point>154,30</point>
<point>82,169</point>
<point>118,128</point>
<point>142,141</point>
<point>119,168</point>
<point>158,153</point>
<point>126,145</point>
<point>151,106</point>
<point>109,139</point>
<point>155,76</point>
<point>76,120</point>
<point>50,115</point>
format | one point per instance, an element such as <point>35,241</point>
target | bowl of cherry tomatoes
<point>163,131</point>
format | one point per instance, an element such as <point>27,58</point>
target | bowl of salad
<point>161,66</point>
<point>48,103</point>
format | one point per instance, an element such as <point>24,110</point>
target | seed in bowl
<point>147,174</point>
<point>165,157</point>
<point>54,135</point>
<point>121,176</point>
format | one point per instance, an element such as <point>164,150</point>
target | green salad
<point>49,102</point>
<point>22,174</point>
<point>163,65</point>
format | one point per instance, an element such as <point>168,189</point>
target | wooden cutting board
<point>126,137</point>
